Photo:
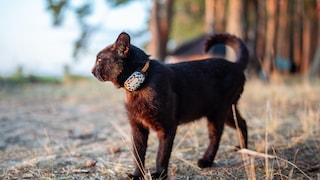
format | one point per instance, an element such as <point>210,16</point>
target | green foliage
<point>309,8</point>
<point>15,80</point>
<point>188,19</point>
<point>58,9</point>
<point>18,77</point>
<point>117,2</point>
<point>18,74</point>
<point>84,10</point>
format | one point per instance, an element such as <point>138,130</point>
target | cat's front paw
<point>203,163</point>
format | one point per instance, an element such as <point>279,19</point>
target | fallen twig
<point>81,171</point>
<point>257,154</point>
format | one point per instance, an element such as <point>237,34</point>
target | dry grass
<point>80,131</point>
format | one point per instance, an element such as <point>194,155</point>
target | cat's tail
<point>236,43</point>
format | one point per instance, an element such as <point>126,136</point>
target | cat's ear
<point>122,45</point>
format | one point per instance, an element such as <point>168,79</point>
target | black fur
<point>175,94</point>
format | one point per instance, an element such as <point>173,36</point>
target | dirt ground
<point>79,131</point>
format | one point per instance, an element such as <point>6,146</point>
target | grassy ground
<point>80,131</point>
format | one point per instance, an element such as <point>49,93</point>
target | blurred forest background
<point>74,127</point>
<point>282,35</point>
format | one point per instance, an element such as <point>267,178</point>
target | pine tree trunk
<point>235,20</point>
<point>297,35</point>
<point>315,66</point>
<point>267,64</point>
<point>261,29</point>
<point>283,35</point>
<point>209,16</point>
<point>160,23</point>
<point>306,51</point>
<point>220,15</point>
<point>258,21</point>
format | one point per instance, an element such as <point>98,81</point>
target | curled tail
<point>236,43</point>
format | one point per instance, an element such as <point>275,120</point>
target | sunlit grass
<point>86,119</point>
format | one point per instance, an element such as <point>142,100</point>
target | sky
<point>28,39</point>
